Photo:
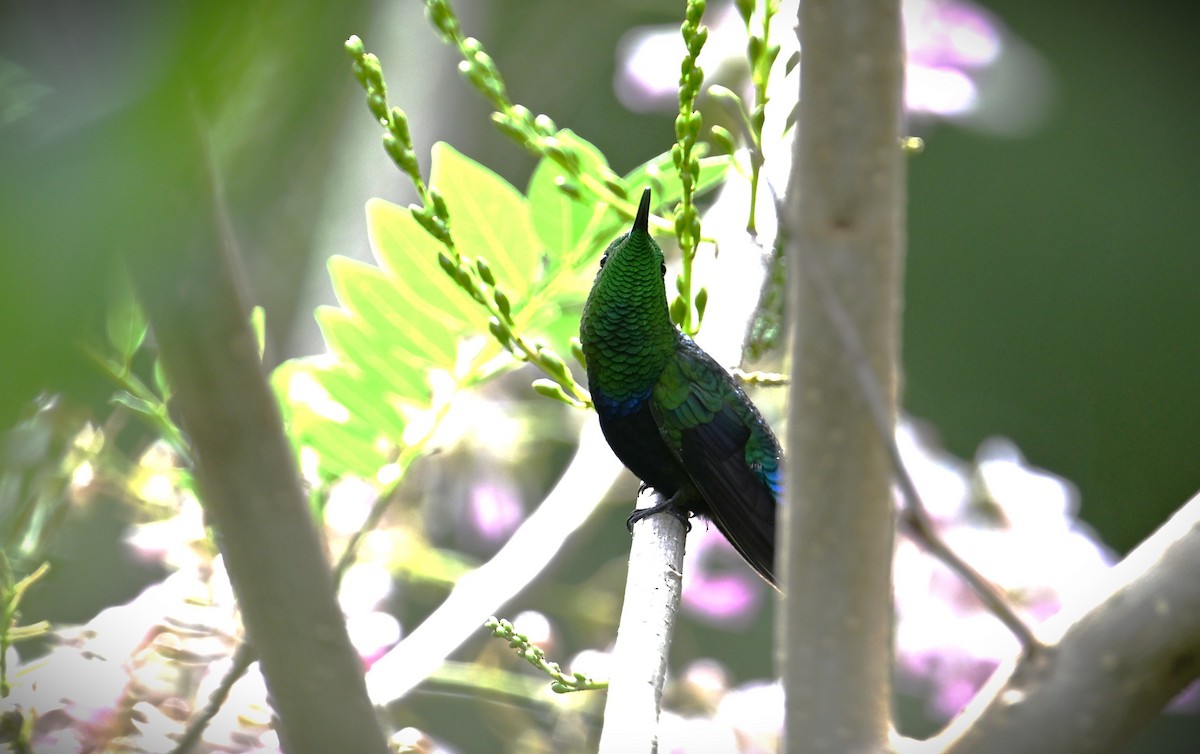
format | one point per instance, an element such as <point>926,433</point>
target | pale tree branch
<point>639,664</point>
<point>1112,663</point>
<point>845,210</point>
<point>484,591</point>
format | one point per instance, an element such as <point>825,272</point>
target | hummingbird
<point>669,411</point>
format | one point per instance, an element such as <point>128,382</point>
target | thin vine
<point>562,683</point>
<point>539,134</point>
<point>473,276</point>
<point>761,54</point>
<point>687,311</point>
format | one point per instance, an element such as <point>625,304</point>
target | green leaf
<point>591,160</point>
<point>161,382</point>
<point>411,326</point>
<point>342,447</point>
<point>376,408</point>
<point>409,256</point>
<point>556,325</point>
<point>368,351</point>
<point>660,173</point>
<point>136,405</point>
<point>344,442</point>
<point>559,220</point>
<point>563,223</point>
<point>488,218</point>
<point>125,324</point>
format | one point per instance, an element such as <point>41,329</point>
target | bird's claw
<point>666,506</point>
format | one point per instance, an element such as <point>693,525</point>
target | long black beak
<point>642,221</point>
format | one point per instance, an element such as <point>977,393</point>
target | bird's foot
<point>666,506</point>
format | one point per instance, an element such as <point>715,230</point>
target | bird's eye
<point>664,269</point>
<point>603,259</point>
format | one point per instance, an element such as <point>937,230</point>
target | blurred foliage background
<point>1052,278</point>
<point>1051,281</point>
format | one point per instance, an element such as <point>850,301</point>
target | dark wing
<point>726,449</point>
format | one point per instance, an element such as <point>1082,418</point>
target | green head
<point>626,330</point>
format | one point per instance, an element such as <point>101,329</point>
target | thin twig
<point>652,593</point>
<point>243,658</point>
<point>382,503</point>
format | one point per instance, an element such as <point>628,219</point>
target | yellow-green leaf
<point>488,218</point>
<point>409,256</point>
<point>417,327</point>
<point>362,349</point>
